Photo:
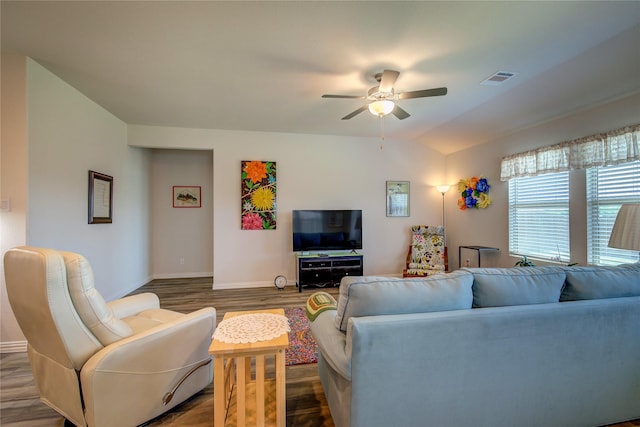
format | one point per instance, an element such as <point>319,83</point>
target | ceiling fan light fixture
<point>381,107</point>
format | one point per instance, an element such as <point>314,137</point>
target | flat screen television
<point>327,230</point>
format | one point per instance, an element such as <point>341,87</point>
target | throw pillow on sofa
<point>498,287</point>
<point>601,282</point>
<point>371,296</point>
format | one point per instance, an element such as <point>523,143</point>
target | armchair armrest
<point>131,377</point>
<point>161,346</point>
<point>134,304</point>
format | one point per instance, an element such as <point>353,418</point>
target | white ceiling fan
<point>382,98</point>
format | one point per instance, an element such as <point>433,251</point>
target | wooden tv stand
<point>320,271</point>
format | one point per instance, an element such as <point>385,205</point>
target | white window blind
<point>539,217</point>
<point>607,189</point>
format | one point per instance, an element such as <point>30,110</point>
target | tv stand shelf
<point>326,270</point>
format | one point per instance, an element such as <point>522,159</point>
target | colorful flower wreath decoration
<point>473,193</point>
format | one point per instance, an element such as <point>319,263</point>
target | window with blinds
<point>607,189</point>
<point>539,217</point>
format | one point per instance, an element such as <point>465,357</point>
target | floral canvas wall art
<point>474,193</point>
<point>258,200</point>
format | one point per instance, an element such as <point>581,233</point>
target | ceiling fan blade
<point>389,78</point>
<point>423,93</point>
<point>344,96</point>
<point>355,113</point>
<point>399,112</point>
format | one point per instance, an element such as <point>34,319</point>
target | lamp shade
<point>626,229</point>
<point>443,188</point>
<point>382,107</point>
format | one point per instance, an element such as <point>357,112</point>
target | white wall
<point>52,136</point>
<point>69,135</point>
<point>13,179</point>
<point>489,227</point>
<point>314,172</point>
<point>181,238</point>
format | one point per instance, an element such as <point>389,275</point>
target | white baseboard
<point>13,347</point>
<point>231,285</point>
<point>244,285</point>
<point>181,275</point>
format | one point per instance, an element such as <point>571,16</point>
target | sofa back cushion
<point>372,295</point>
<point>601,282</point>
<point>498,287</point>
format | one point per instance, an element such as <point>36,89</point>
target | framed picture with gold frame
<point>100,198</point>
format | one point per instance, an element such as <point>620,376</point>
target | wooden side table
<point>239,356</point>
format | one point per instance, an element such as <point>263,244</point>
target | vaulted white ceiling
<point>263,66</point>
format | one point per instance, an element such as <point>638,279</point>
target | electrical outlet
<point>181,261</point>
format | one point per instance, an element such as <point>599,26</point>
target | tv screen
<point>326,230</point>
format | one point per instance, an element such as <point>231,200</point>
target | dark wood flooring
<point>306,404</point>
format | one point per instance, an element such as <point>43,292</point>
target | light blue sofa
<point>542,346</point>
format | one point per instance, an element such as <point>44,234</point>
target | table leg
<point>219,394</point>
<point>260,390</point>
<point>229,379</point>
<point>241,386</point>
<point>281,401</point>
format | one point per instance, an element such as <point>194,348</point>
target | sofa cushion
<point>371,295</point>
<point>601,282</point>
<point>498,287</point>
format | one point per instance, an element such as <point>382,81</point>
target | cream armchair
<point>103,364</point>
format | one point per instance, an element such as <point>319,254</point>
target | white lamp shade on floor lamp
<point>626,229</point>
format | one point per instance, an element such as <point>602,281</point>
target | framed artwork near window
<point>100,198</point>
<point>187,196</point>
<point>397,198</point>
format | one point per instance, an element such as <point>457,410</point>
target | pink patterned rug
<point>302,346</point>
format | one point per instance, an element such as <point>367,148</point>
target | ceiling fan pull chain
<point>381,131</point>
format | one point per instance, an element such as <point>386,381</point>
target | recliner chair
<point>103,364</point>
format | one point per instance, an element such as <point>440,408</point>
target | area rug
<point>302,346</point>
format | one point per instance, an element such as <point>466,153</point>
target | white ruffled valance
<point>605,149</point>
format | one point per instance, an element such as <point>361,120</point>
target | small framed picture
<point>397,198</point>
<point>187,196</point>
<point>100,198</point>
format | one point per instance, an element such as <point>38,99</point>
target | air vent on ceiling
<point>498,78</point>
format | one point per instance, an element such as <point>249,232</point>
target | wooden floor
<point>306,404</point>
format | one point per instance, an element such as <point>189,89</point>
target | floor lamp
<point>626,229</point>
<point>443,189</point>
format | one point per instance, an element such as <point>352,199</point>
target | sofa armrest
<point>134,304</point>
<point>331,342</point>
